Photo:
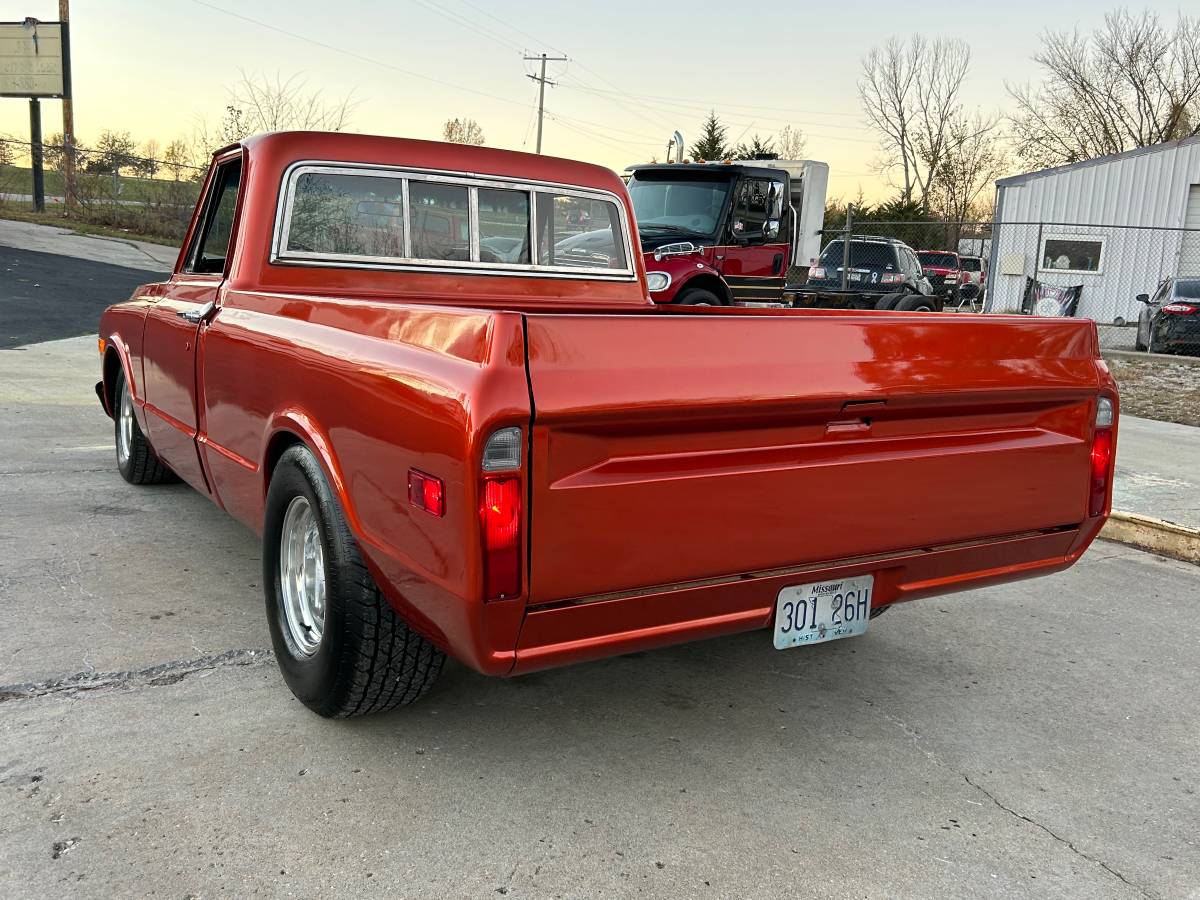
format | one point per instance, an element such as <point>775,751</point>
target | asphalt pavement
<point>1032,740</point>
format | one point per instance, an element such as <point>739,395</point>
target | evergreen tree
<point>712,140</point>
<point>756,149</point>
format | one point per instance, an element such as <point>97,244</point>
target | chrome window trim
<point>279,255</point>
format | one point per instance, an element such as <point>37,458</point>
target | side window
<point>576,232</point>
<point>212,247</point>
<point>750,211</point>
<point>1163,291</point>
<point>439,217</point>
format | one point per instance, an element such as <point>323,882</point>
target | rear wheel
<point>698,297</point>
<point>343,650</point>
<point>135,459</point>
<point>889,301</point>
<point>916,303</point>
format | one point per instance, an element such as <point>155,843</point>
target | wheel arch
<point>708,280</point>
<point>294,427</point>
<point>116,359</point>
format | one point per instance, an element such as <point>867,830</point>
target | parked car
<point>972,276</point>
<point>528,464</point>
<point>943,270</point>
<point>1169,320</point>
<point>883,274</point>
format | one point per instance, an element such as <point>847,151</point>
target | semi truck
<point>724,233</point>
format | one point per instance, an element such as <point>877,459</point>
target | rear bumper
<point>836,299</point>
<point>594,628</point>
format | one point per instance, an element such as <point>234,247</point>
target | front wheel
<point>340,645</point>
<point>135,458</point>
<point>698,297</point>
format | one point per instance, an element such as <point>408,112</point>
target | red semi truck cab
<point>724,233</point>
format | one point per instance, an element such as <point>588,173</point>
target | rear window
<point>1189,289</point>
<point>863,255</point>
<point>939,260</point>
<point>969,264</point>
<point>332,213</point>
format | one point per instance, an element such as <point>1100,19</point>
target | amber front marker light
<point>100,343</point>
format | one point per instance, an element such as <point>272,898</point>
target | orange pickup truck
<point>432,378</point>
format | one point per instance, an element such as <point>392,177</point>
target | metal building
<point>1117,225</point>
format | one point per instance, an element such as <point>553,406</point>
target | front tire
<point>135,458</point>
<point>699,297</point>
<point>343,650</point>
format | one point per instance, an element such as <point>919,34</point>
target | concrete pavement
<point>1158,470</point>
<point>128,253</point>
<point>1032,740</point>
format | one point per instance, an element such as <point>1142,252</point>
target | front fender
<point>682,270</point>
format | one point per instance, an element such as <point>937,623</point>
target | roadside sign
<point>34,59</point>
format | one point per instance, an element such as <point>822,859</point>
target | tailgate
<point>673,448</point>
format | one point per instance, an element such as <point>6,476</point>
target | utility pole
<point>68,114</point>
<point>542,82</point>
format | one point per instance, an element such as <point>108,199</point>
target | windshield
<point>940,260</point>
<point>863,254</point>
<point>1189,289</point>
<point>971,263</point>
<point>691,208</point>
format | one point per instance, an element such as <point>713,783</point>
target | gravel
<point>1156,389</point>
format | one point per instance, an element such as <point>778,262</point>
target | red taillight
<point>891,278</point>
<point>500,518</point>
<point>426,492</point>
<point>1102,457</point>
<point>1180,309</point>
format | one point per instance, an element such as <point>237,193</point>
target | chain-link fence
<point>1140,284</point>
<point>147,196</point>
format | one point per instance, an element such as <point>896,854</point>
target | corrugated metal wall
<point>1144,188</point>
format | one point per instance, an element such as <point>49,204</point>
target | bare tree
<point>910,92</point>
<point>1131,83</point>
<point>972,161</point>
<point>790,143</point>
<point>463,131</point>
<point>176,158</point>
<point>8,152</point>
<point>149,164</point>
<point>261,103</point>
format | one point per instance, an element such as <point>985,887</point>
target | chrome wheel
<point>302,576</point>
<point>125,420</point>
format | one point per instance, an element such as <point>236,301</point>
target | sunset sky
<point>638,71</point>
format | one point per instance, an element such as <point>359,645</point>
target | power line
<point>355,55</point>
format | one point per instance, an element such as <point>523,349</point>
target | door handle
<point>198,315</point>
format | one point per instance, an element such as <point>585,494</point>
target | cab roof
<point>282,148</point>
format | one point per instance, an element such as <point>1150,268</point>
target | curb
<point>1155,535</point>
<point>1142,356</point>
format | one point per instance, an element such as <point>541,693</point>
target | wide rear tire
<point>917,303</point>
<point>343,650</point>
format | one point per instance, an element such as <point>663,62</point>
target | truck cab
<point>722,233</point>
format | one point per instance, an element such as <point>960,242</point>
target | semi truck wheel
<point>341,647</point>
<point>698,297</point>
<point>889,301</point>
<point>135,458</point>
<point>916,303</point>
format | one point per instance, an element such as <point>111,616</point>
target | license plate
<point>856,276</point>
<point>822,611</point>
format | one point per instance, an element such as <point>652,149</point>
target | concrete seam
<point>157,675</point>
<point>1024,818</point>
